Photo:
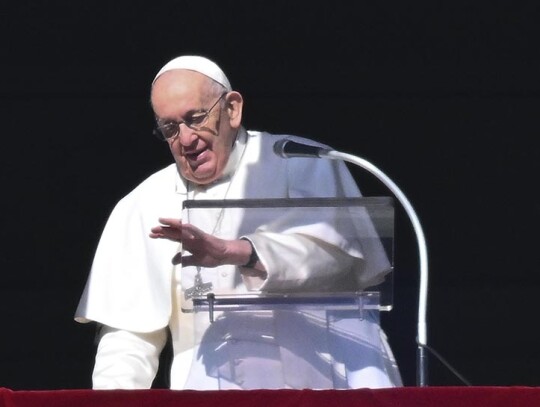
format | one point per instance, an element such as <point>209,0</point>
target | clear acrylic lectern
<point>314,322</point>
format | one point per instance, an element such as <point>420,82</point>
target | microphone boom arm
<point>421,339</point>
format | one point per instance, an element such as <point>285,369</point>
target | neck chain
<point>200,287</point>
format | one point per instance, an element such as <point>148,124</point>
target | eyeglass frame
<point>158,132</point>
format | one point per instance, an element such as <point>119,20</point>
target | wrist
<point>253,257</point>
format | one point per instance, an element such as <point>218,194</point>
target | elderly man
<point>134,290</point>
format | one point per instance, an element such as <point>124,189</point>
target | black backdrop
<point>444,98</point>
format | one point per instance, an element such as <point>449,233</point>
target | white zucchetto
<point>198,64</point>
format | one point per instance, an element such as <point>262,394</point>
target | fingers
<point>193,239</point>
<point>157,232</point>
<point>169,229</point>
<point>186,260</point>
<point>177,259</point>
<point>171,222</point>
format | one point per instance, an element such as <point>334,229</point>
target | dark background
<point>442,96</point>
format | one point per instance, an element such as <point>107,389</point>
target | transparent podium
<point>313,322</point>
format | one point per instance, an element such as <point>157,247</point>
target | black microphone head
<point>279,147</point>
<point>287,148</point>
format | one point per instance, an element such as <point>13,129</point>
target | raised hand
<point>205,249</point>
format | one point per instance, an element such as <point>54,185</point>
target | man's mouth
<point>195,156</point>
<point>191,156</point>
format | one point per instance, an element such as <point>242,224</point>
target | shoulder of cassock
<point>130,270</point>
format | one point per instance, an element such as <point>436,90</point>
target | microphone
<point>286,148</point>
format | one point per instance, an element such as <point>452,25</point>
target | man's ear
<point>234,102</point>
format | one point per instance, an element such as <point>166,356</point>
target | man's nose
<point>186,135</point>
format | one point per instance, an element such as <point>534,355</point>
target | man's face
<point>200,155</point>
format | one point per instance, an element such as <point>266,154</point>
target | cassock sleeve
<point>318,255</point>
<point>127,360</point>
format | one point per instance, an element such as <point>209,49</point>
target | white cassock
<point>135,292</point>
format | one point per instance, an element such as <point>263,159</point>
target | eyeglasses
<point>195,121</point>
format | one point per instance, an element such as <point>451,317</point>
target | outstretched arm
<point>206,250</point>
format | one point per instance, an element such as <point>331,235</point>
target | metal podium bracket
<point>355,301</point>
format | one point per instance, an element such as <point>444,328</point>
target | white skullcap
<point>197,64</point>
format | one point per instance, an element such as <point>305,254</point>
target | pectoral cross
<point>199,288</point>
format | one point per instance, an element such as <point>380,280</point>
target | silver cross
<point>199,288</point>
